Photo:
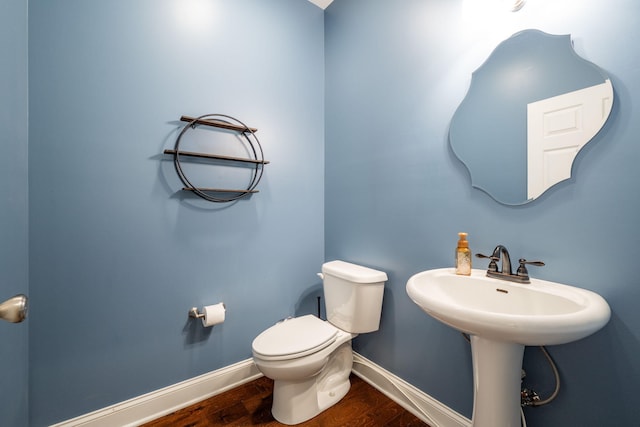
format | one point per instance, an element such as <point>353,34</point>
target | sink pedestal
<point>497,375</point>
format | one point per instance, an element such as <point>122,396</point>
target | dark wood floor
<point>250,405</point>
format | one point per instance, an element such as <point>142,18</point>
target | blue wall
<point>118,254</point>
<point>395,195</point>
<point>13,214</point>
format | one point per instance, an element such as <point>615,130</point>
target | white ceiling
<point>321,3</point>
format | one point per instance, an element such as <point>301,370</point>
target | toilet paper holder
<point>197,315</point>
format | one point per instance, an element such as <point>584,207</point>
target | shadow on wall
<point>194,333</point>
<point>308,302</point>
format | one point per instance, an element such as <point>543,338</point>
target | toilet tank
<point>353,296</point>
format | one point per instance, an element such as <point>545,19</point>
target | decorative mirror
<point>529,110</point>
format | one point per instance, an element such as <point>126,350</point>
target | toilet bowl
<point>300,392</point>
<point>309,359</point>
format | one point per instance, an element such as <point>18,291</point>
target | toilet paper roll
<point>213,314</point>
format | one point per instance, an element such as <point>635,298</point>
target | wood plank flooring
<point>250,405</point>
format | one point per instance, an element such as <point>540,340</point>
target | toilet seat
<point>293,338</point>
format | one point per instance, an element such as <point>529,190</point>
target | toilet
<point>310,359</point>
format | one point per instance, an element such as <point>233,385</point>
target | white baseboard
<point>156,404</point>
<point>409,397</point>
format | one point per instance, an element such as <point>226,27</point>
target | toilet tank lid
<point>353,272</point>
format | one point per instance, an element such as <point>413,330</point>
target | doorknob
<point>14,309</point>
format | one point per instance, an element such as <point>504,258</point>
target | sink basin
<point>502,318</point>
<point>537,313</point>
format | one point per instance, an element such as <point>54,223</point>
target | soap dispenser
<point>463,256</point>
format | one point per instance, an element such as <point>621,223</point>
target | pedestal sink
<point>502,318</point>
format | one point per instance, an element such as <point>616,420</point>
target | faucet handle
<point>522,270</point>
<point>493,266</point>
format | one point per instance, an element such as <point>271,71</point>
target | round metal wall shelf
<point>222,121</point>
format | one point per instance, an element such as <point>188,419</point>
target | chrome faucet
<point>500,253</point>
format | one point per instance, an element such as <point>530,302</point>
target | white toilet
<point>310,359</point>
